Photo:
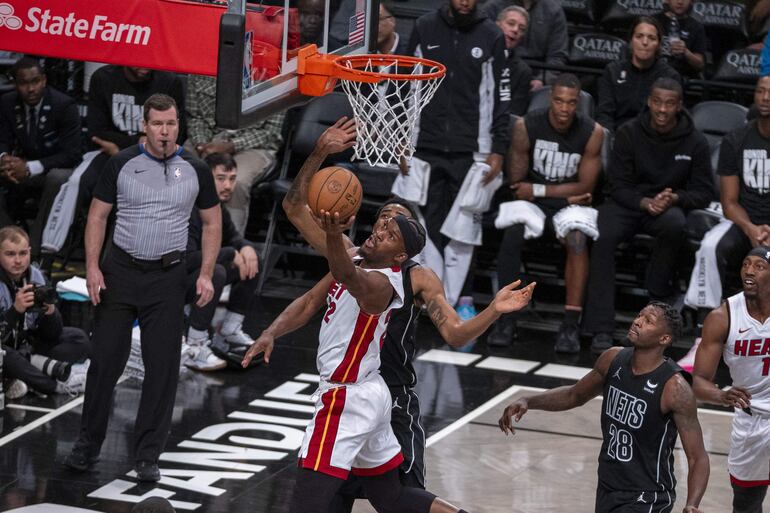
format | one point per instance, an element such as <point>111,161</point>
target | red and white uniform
<point>351,424</point>
<point>747,353</point>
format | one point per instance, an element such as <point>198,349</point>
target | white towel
<point>63,209</point>
<point>476,197</point>
<point>521,212</point>
<point>576,217</point>
<point>705,288</point>
<point>463,224</point>
<point>414,186</point>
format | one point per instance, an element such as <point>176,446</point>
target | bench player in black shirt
<point>421,288</point>
<point>647,400</point>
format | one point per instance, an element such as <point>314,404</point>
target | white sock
<point>231,323</point>
<point>198,336</point>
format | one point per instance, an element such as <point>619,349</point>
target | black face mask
<point>463,20</point>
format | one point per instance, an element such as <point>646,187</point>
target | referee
<point>154,186</point>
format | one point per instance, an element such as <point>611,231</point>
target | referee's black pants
<point>156,297</point>
<point>618,224</point>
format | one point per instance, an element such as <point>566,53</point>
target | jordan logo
<point>617,374</point>
<point>641,498</point>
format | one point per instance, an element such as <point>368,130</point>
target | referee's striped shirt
<point>153,200</point>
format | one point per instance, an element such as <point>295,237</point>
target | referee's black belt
<point>164,262</point>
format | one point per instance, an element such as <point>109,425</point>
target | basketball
<point>334,189</point>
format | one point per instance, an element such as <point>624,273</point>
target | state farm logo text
<point>98,28</point>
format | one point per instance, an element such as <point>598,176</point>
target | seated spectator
<point>546,40</point>
<point>659,169</point>
<point>625,85</point>
<point>388,40</point>
<point>513,21</point>
<point>115,120</point>
<point>554,163</point>
<point>237,265</point>
<point>253,147</point>
<point>39,350</point>
<point>311,21</point>
<point>744,180</point>
<point>39,146</point>
<point>684,38</point>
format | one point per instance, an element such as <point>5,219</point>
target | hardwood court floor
<point>550,464</point>
<point>235,435</point>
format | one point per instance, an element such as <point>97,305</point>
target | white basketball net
<point>388,112</point>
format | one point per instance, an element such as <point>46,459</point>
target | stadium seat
<point>595,50</point>
<point>541,98</point>
<point>738,66</point>
<point>715,119</point>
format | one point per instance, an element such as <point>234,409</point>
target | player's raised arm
<point>452,329</point>
<point>294,316</point>
<point>679,399</point>
<point>372,290</point>
<point>335,139</point>
<point>715,329</point>
<point>562,398</point>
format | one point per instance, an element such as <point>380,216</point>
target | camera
<point>44,295</point>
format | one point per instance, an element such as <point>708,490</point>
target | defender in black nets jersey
<point>647,401</point>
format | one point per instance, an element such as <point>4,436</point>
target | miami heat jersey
<point>350,339</point>
<point>747,353</point>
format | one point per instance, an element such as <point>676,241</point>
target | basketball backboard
<point>257,66</point>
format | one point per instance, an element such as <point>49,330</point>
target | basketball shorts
<point>405,420</point>
<point>749,457</point>
<point>609,501</point>
<point>350,431</point>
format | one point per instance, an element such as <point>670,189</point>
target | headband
<point>413,242</point>
<point>762,252</point>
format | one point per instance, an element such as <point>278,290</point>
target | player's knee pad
<point>748,499</point>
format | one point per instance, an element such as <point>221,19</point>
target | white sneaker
<point>237,337</point>
<point>16,390</point>
<point>76,383</point>
<point>206,361</point>
<point>688,361</point>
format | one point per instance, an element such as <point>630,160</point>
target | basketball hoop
<point>387,93</point>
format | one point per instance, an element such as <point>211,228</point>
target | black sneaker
<point>147,471</point>
<point>601,342</point>
<point>568,339</point>
<point>503,333</point>
<point>80,460</point>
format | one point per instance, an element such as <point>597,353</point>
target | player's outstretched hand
<point>691,509</point>
<point>264,344</point>
<point>736,397</point>
<point>510,299</point>
<point>331,222</point>
<point>338,137</point>
<point>514,411</point>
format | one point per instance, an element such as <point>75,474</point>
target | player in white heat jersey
<point>739,332</point>
<point>350,429</point>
